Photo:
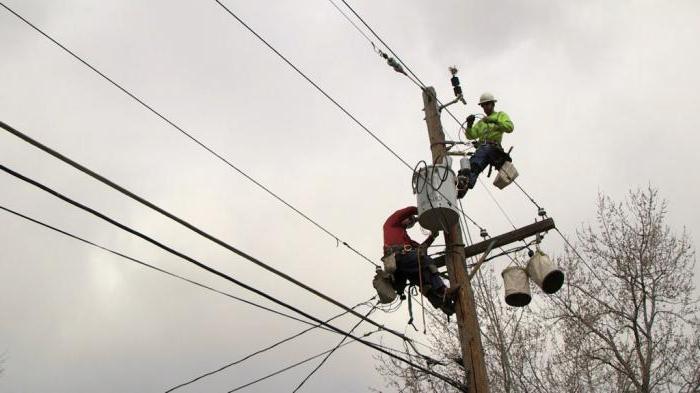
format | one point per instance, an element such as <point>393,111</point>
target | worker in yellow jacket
<point>488,132</point>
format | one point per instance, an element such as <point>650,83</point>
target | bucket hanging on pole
<point>517,286</point>
<point>544,273</point>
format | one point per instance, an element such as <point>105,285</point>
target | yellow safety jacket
<point>492,129</point>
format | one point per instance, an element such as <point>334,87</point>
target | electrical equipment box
<point>436,191</point>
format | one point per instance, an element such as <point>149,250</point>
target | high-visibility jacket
<point>492,129</point>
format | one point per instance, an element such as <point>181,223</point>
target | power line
<point>186,224</point>
<point>192,137</point>
<point>297,364</point>
<point>228,277</point>
<point>303,75</point>
<point>417,81</point>
<point>315,85</point>
<point>258,352</point>
<point>333,350</point>
<point>117,253</point>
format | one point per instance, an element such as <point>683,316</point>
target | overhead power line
<point>228,277</point>
<point>374,307</point>
<point>331,99</point>
<point>417,80</point>
<point>190,136</point>
<point>258,352</point>
<point>187,225</point>
<point>117,253</point>
<point>314,84</point>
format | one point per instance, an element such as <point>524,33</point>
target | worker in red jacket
<point>407,252</point>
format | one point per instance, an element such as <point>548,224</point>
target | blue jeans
<point>407,269</point>
<point>487,154</point>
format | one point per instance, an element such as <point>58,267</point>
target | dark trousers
<point>487,154</point>
<point>407,269</point>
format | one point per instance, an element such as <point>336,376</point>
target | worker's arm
<point>502,123</point>
<point>395,219</point>
<point>473,132</point>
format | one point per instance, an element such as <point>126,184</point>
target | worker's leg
<point>478,162</point>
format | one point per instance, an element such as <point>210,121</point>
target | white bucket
<point>506,175</point>
<point>517,286</point>
<point>544,273</point>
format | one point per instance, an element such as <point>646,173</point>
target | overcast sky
<point>604,96</point>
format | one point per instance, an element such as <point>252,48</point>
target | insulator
<point>455,86</point>
<point>484,233</point>
<point>541,212</point>
<point>530,253</point>
<point>395,65</point>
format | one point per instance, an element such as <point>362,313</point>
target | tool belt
<point>402,249</point>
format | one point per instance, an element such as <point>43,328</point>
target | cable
<point>154,267</point>
<point>332,351</point>
<point>293,366</point>
<point>418,81</point>
<point>225,276</point>
<point>258,352</point>
<point>527,195</point>
<point>295,68</point>
<point>331,99</point>
<point>186,224</point>
<point>497,204</point>
<point>192,138</point>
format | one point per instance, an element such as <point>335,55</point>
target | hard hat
<point>486,97</point>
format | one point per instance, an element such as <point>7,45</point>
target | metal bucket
<point>544,273</point>
<point>437,197</point>
<point>517,286</point>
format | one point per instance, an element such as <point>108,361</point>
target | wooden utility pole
<point>469,336</point>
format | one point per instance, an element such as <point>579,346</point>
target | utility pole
<point>467,321</point>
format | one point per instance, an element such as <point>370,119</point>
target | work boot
<point>462,183</point>
<point>448,307</point>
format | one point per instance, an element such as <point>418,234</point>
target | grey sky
<point>603,95</point>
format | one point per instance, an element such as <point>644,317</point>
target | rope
<point>420,283</point>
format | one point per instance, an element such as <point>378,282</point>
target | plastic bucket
<point>544,273</point>
<point>505,175</point>
<point>517,286</point>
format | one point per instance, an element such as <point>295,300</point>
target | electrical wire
<point>225,276</point>
<point>303,75</point>
<point>317,87</point>
<point>190,136</point>
<point>117,253</point>
<point>497,204</point>
<point>297,364</point>
<point>332,351</point>
<point>417,80</point>
<point>186,224</point>
<point>258,352</point>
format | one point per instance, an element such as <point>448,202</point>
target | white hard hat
<point>486,97</point>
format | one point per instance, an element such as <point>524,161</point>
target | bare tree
<point>628,318</point>
<point>502,334</point>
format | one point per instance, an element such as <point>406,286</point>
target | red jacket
<point>394,233</point>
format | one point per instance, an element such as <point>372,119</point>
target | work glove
<point>470,120</point>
